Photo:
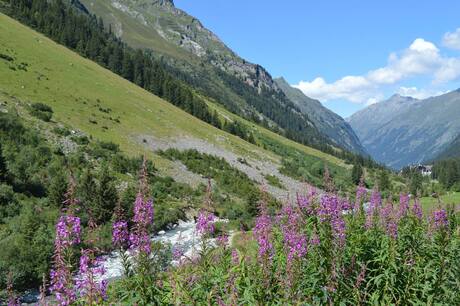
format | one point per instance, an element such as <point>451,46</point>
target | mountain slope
<point>197,56</point>
<point>452,151</point>
<point>327,122</point>
<point>403,130</point>
<point>88,98</point>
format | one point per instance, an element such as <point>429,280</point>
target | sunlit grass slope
<point>88,97</point>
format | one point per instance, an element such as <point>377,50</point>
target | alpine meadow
<point>143,161</point>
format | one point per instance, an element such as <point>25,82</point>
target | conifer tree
<point>356,173</point>
<point>106,195</point>
<point>2,165</point>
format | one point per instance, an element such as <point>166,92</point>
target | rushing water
<point>182,235</point>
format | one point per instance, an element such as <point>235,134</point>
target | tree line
<point>87,35</point>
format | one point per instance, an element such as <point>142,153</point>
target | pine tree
<point>356,173</point>
<point>106,196</point>
<point>384,181</point>
<point>415,183</point>
<point>57,189</point>
<point>87,188</point>
<point>2,165</point>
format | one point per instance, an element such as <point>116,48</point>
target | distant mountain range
<point>404,130</point>
<point>328,122</point>
<point>197,56</point>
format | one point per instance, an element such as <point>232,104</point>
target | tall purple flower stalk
<point>330,210</point>
<point>389,220</point>
<point>306,202</point>
<point>439,220</point>
<point>89,286</point>
<point>120,234</point>
<point>403,205</point>
<point>262,231</point>
<point>68,231</point>
<point>139,237</point>
<point>295,242</point>
<point>361,194</point>
<point>416,209</point>
<point>205,223</point>
<point>143,217</point>
<point>374,208</point>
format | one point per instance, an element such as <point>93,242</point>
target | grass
<point>274,181</point>
<point>430,203</point>
<point>85,96</point>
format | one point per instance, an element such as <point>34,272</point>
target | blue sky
<point>348,54</point>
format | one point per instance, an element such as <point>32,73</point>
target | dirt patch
<point>256,169</point>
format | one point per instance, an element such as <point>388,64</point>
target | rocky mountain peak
<point>163,2</point>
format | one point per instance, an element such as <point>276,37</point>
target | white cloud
<point>452,40</point>
<point>421,58</point>
<point>448,71</point>
<point>418,93</point>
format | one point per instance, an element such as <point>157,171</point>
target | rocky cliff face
<point>404,130</point>
<point>178,28</point>
<point>198,57</point>
<point>327,122</point>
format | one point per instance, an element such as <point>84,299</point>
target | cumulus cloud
<point>418,93</point>
<point>420,58</point>
<point>452,39</point>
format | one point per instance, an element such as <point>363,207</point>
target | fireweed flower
<point>205,223</point>
<point>120,233</point>
<point>314,239</point>
<point>177,253</point>
<point>222,240</point>
<point>143,218</point>
<point>403,205</point>
<point>439,219</point>
<point>374,208</point>
<point>235,257</point>
<point>417,209</point>
<point>305,202</point>
<point>262,233</point>
<point>361,194</point>
<point>330,210</point>
<point>68,232</point>
<point>295,243</point>
<point>389,220</point>
<point>91,269</point>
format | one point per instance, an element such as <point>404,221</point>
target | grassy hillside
<point>90,98</point>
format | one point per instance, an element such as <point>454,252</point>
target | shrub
<point>41,111</point>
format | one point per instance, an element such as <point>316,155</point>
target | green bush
<point>41,111</point>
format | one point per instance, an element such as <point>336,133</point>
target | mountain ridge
<point>197,56</point>
<point>404,130</point>
<point>326,121</point>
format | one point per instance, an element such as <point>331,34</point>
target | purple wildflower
<point>330,210</point>
<point>295,242</point>
<point>403,205</point>
<point>338,230</point>
<point>439,219</point>
<point>222,240</point>
<point>205,223</point>
<point>361,194</point>
<point>91,269</point>
<point>120,233</point>
<point>68,232</point>
<point>314,239</point>
<point>143,218</point>
<point>177,253</point>
<point>417,209</point>
<point>389,220</point>
<point>374,208</point>
<point>262,233</point>
<point>235,257</point>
